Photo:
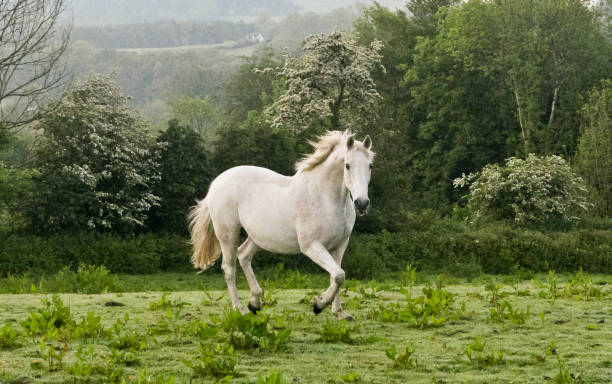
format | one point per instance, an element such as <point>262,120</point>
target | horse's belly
<point>274,239</point>
<point>271,228</point>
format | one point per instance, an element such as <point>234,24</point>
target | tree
<point>197,113</point>
<point>330,83</point>
<point>255,142</point>
<point>96,162</point>
<point>398,178</point>
<point>185,173</point>
<point>250,89</point>
<point>545,52</point>
<point>32,41</point>
<point>593,159</point>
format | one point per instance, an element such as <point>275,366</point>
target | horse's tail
<point>206,247</point>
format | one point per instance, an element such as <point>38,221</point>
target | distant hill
<point>106,12</point>
<point>113,12</point>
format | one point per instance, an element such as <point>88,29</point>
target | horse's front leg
<point>317,253</point>
<point>337,254</point>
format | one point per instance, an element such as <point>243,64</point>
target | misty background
<point>160,49</point>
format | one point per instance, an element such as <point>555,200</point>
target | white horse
<point>312,212</point>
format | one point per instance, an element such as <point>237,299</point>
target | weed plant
<point>255,331</point>
<point>400,360</point>
<point>475,352</point>
<point>10,337</point>
<point>218,362</point>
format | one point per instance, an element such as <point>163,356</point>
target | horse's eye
<point>370,165</point>
<point>348,166</point>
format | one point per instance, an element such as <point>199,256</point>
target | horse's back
<point>260,201</point>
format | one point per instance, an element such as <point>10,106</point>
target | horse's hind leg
<point>246,251</point>
<point>229,243</point>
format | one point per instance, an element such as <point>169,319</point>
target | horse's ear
<point>350,141</point>
<point>367,142</point>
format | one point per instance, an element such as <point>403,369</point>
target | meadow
<point>412,327</point>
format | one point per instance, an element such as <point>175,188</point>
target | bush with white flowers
<point>531,190</point>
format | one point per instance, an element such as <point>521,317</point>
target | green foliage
<point>203,331</point>
<point>164,303</point>
<point>254,142</point>
<point>564,375</point>
<point>85,365</point>
<point>505,311</point>
<point>542,71</point>
<point>16,189</point>
<point>533,190</point>
<point>123,339</point>
<point>54,356</point>
<point>581,287</point>
<point>275,377</point>
<point>217,361</point>
<point>478,358</point>
<point>337,332</point>
<point>401,360</point>
<point>142,254</point>
<point>9,337</point>
<point>52,321</point>
<point>95,154</point>
<point>144,377</point>
<point>87,279</point>
<point>250,89</point>
<point>90,327</point>
<point>429,310</point>
<point>197,113</point>
<point>351,377</point>
<point>258,331</point>
<point>592,159</point>
<point>185,175</point>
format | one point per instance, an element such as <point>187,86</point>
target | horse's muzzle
<point>361,206</point>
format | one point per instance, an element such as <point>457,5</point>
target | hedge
<point>133,255</point>
<point>444,246</point>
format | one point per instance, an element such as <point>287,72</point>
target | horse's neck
<point>328,178</point>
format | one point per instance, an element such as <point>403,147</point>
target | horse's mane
<point>323,148</point>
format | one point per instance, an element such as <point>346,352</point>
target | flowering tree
<point>95,160</point>
<point>331,82</point>
<point>532,190</point>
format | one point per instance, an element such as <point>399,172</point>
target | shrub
<point>146,253</point>
<point>533,190</point>
<point>87,279</point>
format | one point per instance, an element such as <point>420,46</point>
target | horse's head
<point>357,171</point>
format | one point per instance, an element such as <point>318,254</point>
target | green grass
<point>578,329</point>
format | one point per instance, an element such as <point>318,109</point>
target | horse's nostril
<point>362,204</point>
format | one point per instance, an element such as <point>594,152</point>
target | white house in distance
<point>255,38</point>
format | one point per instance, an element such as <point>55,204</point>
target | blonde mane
<point>323,148</point>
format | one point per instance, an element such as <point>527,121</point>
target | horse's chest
<point>331,227</point>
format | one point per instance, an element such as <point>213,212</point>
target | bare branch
<point>33,39</point>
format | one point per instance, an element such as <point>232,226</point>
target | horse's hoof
<point>316,308</point>
<point>244,311</point>
<point>344,316</point>
<point>253,308</point>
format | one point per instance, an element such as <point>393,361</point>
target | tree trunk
<point>335,109</point>
<point>522,123</point>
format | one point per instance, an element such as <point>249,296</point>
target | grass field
<point>552,329</point>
